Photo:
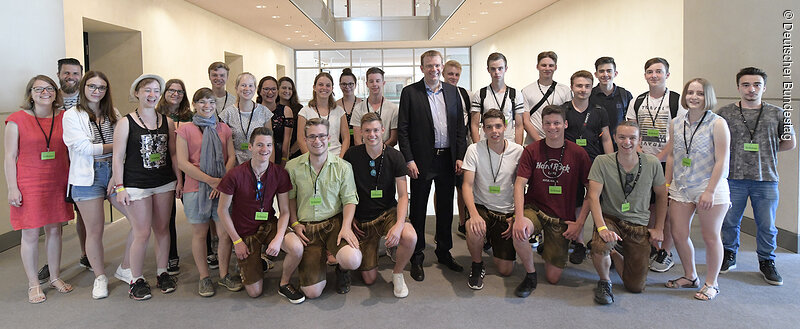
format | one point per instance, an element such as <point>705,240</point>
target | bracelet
<point>295,224</point>
<point>284,158</point>
<point>118,185</point>
<point>667,185</point>
<point>602,228</point>
<point>119,189</point>
<point>237,241</point>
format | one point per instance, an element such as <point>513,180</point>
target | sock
<point>137,278</point>
<point>160,270</point>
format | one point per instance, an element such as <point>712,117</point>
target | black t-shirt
<point>591,130</point>
<point>615,104</point>
<point>387,168</point>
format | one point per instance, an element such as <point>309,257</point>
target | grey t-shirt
<point>604,171</point>
<point>760,165</point>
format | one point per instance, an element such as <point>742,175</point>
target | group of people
<point>528,165</point>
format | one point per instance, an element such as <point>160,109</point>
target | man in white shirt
<point>376,103</point>
<point>218,76</point>
<point>499,96</point>
<point>541,93</point>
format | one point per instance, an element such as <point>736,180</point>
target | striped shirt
<point>701,151</point>
<point>105,135</point>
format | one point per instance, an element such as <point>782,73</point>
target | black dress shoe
<point>416,272</point>
<point>450,262</point>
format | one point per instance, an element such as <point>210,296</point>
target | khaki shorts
<point>322,236</point>
<point>250,268</point>
<point>373,231</point>
<point>496,224</point>
<point>555,249</point>
<point>635,247</point>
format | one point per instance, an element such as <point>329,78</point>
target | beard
<point>68,88</point>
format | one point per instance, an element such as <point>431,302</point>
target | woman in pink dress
<point>36,167</point>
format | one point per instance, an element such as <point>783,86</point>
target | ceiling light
<point>316,44</point>
<point>484,13</point>
<point>287,25</point>
<point>261,7</point>
<point>473,22</point>
<point>296,31</point>
<point>459,33</point>
<point>276,16</point>
<point>288,38</point>
<point>310,40</point>
<point>304,36</point>
<point>463,28</point>
<point>474,35</point>
<point>497,2</point>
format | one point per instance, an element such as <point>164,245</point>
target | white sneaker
<point>400,288</point>
<point>124,274</point>
<point>100,289</point>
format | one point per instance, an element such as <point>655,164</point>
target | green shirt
<point>604,171</point>
<point>334,185</point>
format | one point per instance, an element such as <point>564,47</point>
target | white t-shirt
<point>242,124</point>
<point>654,113</point>
<point>533,93</point>
<point>388,113</point>
<point>334,117</point>
<point>496,101</point>
<point>477,160</point>
<point>224,102</point>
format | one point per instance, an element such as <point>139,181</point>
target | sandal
<point>673,284</point>
<point>60,286</point>
<point>707,292</point>
<point>36,295</point>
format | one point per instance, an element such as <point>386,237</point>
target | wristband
<point>284,158</point>
<point>237,241</point>
<point>295,224</point>
<point>119,189</point>
<point>667,185</point>
<point>602,228</point>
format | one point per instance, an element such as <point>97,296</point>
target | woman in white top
<point>322,105</point>
<point>244,116</point>
<point>697,171</point>
<point>89,136</point>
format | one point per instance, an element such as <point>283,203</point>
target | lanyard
<point>621,182</point>
<point>380,169</point>
<point>99,131</point>
<point>257,180</point>
<point>541,91</point>
<point>500,165</point>
<point>585,119</point>
<point>320,115</point>
<point>502,106</point>
<point>560,158</point>
<point>352,107</point>
<point>658,110</point>
<point>380,110</point>
<point>52,123</point>
<point>145,125</point>
<point>311,172</point>
<point>241,124</point>
<point>689,145</point>
<point>758,119</point>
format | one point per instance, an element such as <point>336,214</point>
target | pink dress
<point>42,183</point>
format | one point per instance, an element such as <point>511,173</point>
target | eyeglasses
<point>314,137</point>
<point>94,87</point>
<point>259,194</point>
<point>39,90</point>
<point>174,91</point>
<point>372,171</point>
<point>269,89</point>
<point>348,84</point>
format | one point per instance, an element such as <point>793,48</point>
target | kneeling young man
<point>555,168</point>
<point>490,167</point>
<point>625,179</point>
<point>321,207</point>
<point>251,188</point>
<point>378,170</point>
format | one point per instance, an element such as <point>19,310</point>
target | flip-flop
<point>673,284</point>
<point>707,292</point>
<point>37,296</point>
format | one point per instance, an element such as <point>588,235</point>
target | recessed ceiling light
<point>316,44</point>
<point>276,16</point>
<point>310,40</point>
<point>459,33</point>
<point>261,7</point>
<point>288,38</point>
<point>473,22</point>
<point>287,25</point>
<point>296,31</point>
<point>304,36</point>
<point>484,13</point>
<point>463,28</point>
<point>474,35</point>
<point>497,2</point>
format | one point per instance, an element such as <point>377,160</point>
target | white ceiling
<point>281,21</point>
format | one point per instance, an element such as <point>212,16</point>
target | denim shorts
<point>102,173</point>
<point>191,206</point>
<point>137,194</point>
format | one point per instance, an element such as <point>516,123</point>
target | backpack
<point>512,94</point>
<point>674,98</point>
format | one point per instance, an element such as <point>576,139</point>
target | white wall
<point>579,31</point>
<point>179,40</point>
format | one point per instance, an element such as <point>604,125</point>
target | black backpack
<point>512,94</point>
<point>674,98</point>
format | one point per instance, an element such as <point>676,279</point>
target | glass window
<point>359,72</point>
<point>307,58</point>
<point>459,54</point>
<point>368,57</point>
<point>365,8</point>
<point>335,58</point>
<point>423,7</point>
<point>339,7</point>
<point>305,84</point>
<point>418,52</point>
<point>397,57</point>
<point>396,78</point>
<point>465,80</point>
<point>397,8</point>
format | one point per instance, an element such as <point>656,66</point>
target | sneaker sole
<point>86,267</point>
<point>119,277</point>
<point>207,294</point>
<point>173,273</point>
<point>774,283</point>
<point>99,297</point>
<point>732,267</point>
<point>604,302</point>
<point>662,270</point>
<point>229,288</point>
<point>475,287</point>
<point>145,297</point>
<point>166,291</point>
<point>295,301</point>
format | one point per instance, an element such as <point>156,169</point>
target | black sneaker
<point>293,295</point>
<point>578,253</point>
<point>84,262</point>
<point>462,231</point>
<point>343,280</point>
<point>603,294</point>
<point>487,246</point>
<point>770,273</point>
<point>44,274</point>
<point>527,286</point>
<point>540,248</point>
<point>212,261</point>
<point>140,290</point>
<point>475,280</point>
<point>166,283</point>
<point>174,267</point>
<point>728,261</point>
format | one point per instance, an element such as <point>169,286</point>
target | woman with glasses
<point>245,115</point>
<point>89,136</point>
<point>323,106</point>
<point>347,83</point>
<point>174,104</point>
<point>282,118</point>
<point>36,162</point>
<point>205,153</point>
<point>287,94</point>
<point>146,175</point>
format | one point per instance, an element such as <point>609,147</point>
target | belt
<point>106,159</point>
<point>437,152</point>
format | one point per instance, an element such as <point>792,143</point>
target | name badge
<point>243,146</point>
<point>581,141</point>
<point>351,131</point>
<point>315,200</point>
<point>376,194</point>
<point>751,147</point>
<point>652,133</point>
<point>686,162</point>
<point>554,189</point>
<point>625,207</point>
<point>494,189</point>
<point>262,215</point>
<point>155,157</point>
<point>49,155</point>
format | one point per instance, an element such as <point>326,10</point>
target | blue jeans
<point>764,199</point>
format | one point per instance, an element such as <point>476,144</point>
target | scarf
<point>211,157</point>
